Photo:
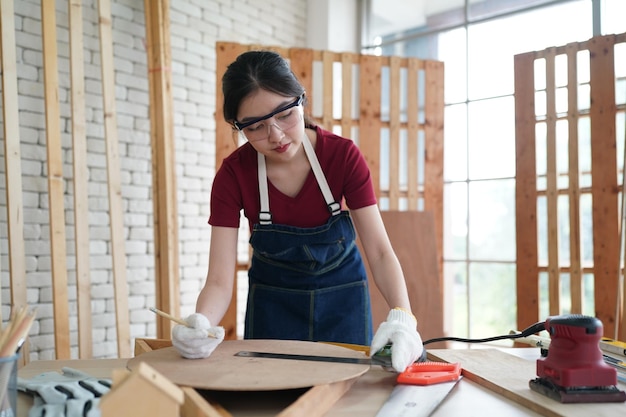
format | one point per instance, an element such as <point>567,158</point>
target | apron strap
<point>265,216</point>
<point>333,206</point>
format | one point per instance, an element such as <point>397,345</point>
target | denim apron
<point>307,283</point>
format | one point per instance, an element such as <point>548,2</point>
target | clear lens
<point>282,121</point>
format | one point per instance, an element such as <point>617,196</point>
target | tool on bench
<point>421,387</point>
<point>574,371</point>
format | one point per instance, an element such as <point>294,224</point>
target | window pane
<point>493,302</point>
<point>453,53</point>
<point>492,220</point>
<point>491,128</point>
<point>455,221</point>
<point>613,16</point>
<point>456,297</point>
<point>455,143</point>
<point>492,44</point>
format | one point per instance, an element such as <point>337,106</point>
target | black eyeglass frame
<point>240,126</point>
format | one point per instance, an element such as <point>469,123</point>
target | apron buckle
<point>265,217</point>
<point>334,208</point>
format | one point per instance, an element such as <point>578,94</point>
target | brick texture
<point>195,27</point>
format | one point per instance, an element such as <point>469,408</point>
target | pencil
<point>175,319</point>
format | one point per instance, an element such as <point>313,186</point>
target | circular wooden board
<point>223,371</point>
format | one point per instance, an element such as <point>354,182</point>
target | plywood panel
<point>508,375</point>
<point>412,235</point>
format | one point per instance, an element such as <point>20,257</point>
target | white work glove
<point>193,341</point>
<point>70,394</point>
<point>400,329</point>
<point>72,408</point>
<point>55,388</point>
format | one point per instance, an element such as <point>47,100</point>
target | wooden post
<point>118,251</point>
<point>552,195</point>
<point>369,118</point>
<point>606,247</point>
<point>81,204</point>
<point>163,162</point>
<point>12,155</point>
<point>55,181</point>
<point>526,192</point>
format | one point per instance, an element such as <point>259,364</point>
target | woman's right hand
<point>198,339</point>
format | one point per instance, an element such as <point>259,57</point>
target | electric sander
<point>574,370</point>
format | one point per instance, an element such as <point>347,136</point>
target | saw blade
<point>375,360</point>
<point>415,400</point>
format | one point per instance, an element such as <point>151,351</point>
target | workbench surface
<point>364,398</point>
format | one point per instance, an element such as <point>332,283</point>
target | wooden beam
<point>226,141</point>
<point>554,277</point>
<point>118,251</point>
<point>394,133</point>
<point>576,282</point>
<point>12,161</point>
<point>369,118</point>
<point>80,173</point>
<point>526,192</point>
<point>606,247</point>
<point>433,147</point>
<point>55,181</point>
<point>163,162</point>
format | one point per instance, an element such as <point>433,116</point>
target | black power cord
<point>535,328</point>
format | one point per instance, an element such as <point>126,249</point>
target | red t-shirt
<point>236,186</point>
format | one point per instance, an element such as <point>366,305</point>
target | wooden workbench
<point>364,398</point>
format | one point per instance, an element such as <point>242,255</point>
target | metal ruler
<point>415,400</point>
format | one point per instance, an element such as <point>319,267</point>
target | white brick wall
<point>195,27</point>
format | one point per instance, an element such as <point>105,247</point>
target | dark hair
<point>256,70</point>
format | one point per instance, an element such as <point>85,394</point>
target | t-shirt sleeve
<point>226,198</point>
<point>358,187</point>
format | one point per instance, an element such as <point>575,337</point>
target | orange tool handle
<point>427,373</point>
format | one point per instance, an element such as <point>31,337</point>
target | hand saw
<point>420,390</point>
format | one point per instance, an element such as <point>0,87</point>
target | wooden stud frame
<point>565,183</point>
<point>415,100</point>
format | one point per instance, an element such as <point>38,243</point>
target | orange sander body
<point>574,370</point>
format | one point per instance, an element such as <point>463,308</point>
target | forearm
<point>216,295</point>
<point>388,277</point>
<point>213,301</point>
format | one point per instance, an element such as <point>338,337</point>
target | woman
<point>307,280</point>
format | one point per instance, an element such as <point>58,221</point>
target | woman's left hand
<point>400,329</point>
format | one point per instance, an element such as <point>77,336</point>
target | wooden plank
<point>433,148</point>
<point>318,400</point>
<point>163,162</point>
<point>576,282</point>
<point>394,133</point>
<point>347,94</point>
<point>526,192</point>
<point>12,161</point>
<point>197,406</point>
<point>55,181</point>
<point>327,90</point>
<point>413,127</point>
<point>509,375</point>
<point>412,235</point>
<point>301,62</point>
<point>604,184</point>
<point>80,174</point>
<point>118,252</point>
<point>369,118</point>
<point>554,277</point>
